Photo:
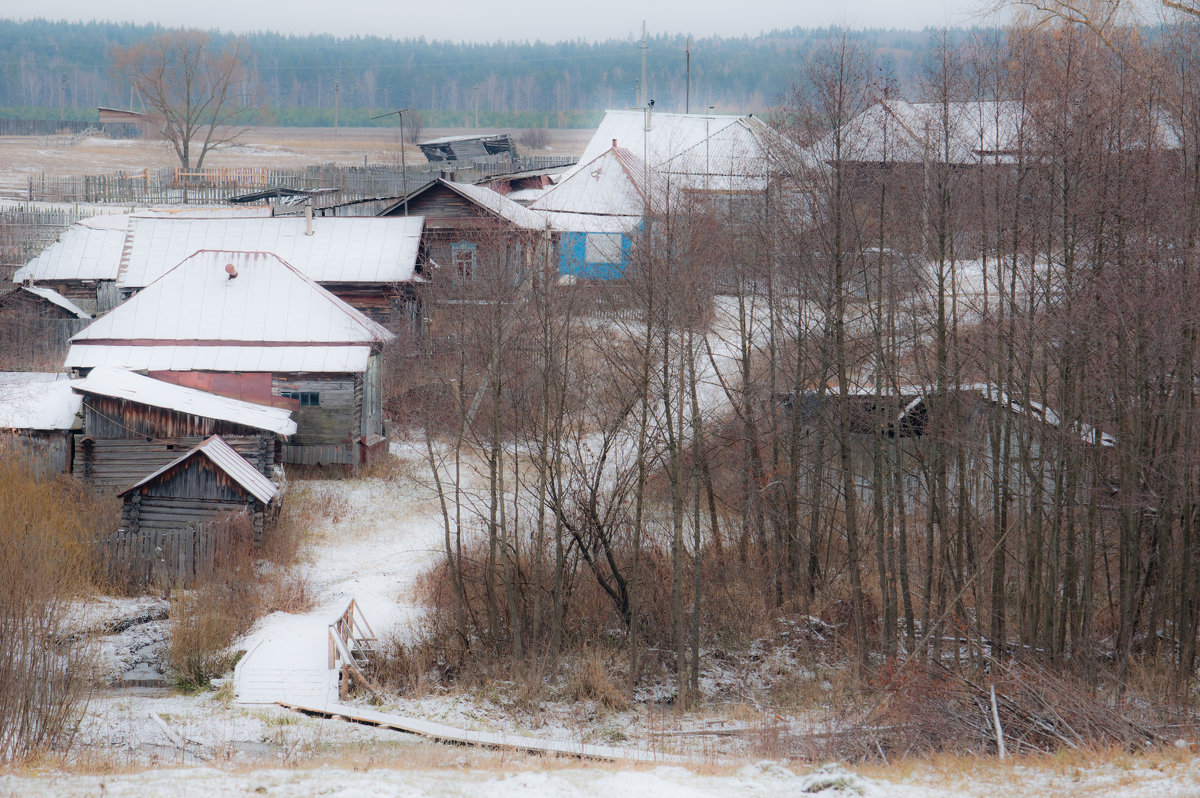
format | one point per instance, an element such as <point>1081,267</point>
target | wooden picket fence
<point>25,231</point>
<point>340,184</point>
<point>174,557</point>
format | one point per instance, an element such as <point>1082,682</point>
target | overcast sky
<point>480,20</point>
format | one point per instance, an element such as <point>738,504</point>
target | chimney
<point>614,144</point>
<point>231,270</point>
<point>308,228</point>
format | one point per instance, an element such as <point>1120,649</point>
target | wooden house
<point>181,520</point>
<point>473,235</point>
<point>84,264</point>
<point>39,416</point>
<point>599,207</point>
<point>369,263</point>
<point>241,323</point>
<point>133,425</point>
<point>35,325</point>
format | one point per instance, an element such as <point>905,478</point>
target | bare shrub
<point>590,679</point>
<point>535,138</point>
<point>930,708</point>
<point>204,621</point>
<point>46,673</point>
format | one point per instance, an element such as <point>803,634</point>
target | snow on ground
<point>381,535</point>
<point>529,777</point>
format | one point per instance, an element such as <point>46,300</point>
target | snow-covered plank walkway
<point>440,732</point>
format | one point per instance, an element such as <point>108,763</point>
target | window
<point>603,248</point>
<point>464,260</point>
<point>306,398</point>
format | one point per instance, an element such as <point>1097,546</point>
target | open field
<point>286,147</point>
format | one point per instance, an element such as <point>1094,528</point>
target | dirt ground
<point>22,157</point>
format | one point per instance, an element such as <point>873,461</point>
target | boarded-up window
<point>603,248</point>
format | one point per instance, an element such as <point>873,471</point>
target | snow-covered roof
<point>220,454</point>
<point>37,400</point>
<point>275,359</point>
<point>340,250</point>
<point>592,222</point>
<point>90,249</point>
<point>896,131</point>
<point>718,152</point>
<point>52,296</point>
<point>229,311</point>
<point>500,205</point>
<point>122,384</point>
<point>608,185</point>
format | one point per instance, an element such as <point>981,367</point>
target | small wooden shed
<point>206,483</point>
<point>39,416</point>
<point>35,325</point>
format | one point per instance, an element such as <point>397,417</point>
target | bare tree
<point>199,89</point>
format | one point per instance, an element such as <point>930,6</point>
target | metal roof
<point>38,401</point>
<point>92,248</point>
<point>500,205</point>
<point>273,359</point>
<point>52,296</point>
<point>340,250</point>
<point>220,454</point>
<point>717,152</point>
<point>230,311</point>
<point>122,384</point>
<point>608,185</point>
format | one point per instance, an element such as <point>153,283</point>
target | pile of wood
<point>1016,707</point>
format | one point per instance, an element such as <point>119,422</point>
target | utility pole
<point>337,91</point>
<point>642,97</point>
<point>687,68</point>
<point>477,106</point>
<point>62,98</point>
<point>403,165</point>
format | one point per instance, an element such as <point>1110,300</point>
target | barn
<point>133,425</point>
<point>35,324</point>
<point>180,521</point>
<point>237,323</point>
<point>39,416</point>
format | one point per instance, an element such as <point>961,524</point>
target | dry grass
<point>46,673</point>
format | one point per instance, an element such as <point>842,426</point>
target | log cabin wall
<point>124,441</point>
<point>328,420</point>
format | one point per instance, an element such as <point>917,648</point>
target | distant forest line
<point>49,69</point>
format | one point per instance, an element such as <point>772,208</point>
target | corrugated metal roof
<point>225,458</point>
<point>609,184</point>
<point>90,249</point>
<point>122,384</point>
<point>37,401</point>
<point>500,205</point>
<point>50,295</point>
<point>592,223</point>
<point>269,301</point>
<point>273,359</point>
<point>718,152</point>
<point>340,250</point>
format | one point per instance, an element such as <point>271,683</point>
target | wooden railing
<point>352,645</point>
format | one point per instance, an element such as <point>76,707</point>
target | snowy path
<point>389,534</point>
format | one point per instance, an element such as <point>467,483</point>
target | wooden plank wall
<point>336,420</point>
<point>167,556</point>
<point>49,453</point>
<point>115,464</point>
